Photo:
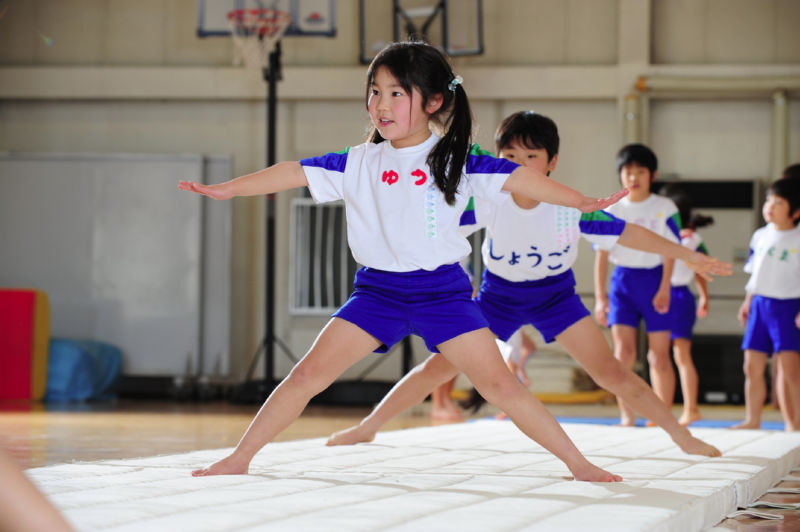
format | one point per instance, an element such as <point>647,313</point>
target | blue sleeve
<point>601,223</point>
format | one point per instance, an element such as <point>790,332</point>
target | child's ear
<point>796,215</point>
<point>552,164</point>
<point>653,175</point>
<point>434,103</point>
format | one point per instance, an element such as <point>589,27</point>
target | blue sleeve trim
<point>330,161</point>
<point>601,223</point>
<point>673,226</point>
<point>489,164</point>
<point>467,218</point>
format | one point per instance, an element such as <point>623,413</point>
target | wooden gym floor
<point>38,435</point>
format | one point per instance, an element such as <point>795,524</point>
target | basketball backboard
<point>455,25</point>
<point>315,18</point>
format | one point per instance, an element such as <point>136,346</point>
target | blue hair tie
<point>458,80</point>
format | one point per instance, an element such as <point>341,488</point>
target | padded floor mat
<point>480,476</point>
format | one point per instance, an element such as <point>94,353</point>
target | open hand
<point>212,191</point>
<point>595,204</point>
<point>706,266</point>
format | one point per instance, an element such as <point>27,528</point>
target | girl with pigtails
<point>404,191</point>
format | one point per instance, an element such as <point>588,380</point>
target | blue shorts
<point>436,305</point>
<point>550,304</point>
<point>682,312</point>
<point>770,325</point>
<point>630,298</point>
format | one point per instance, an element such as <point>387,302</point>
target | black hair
<point>421,65</point>
<point>474,401</point>
<point>637,154</point>
<point>681,199</point>
<point>787,188</point>
<point>793,170</point>
<point>535,131</point>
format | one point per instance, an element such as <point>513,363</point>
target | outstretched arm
<point>637,237</point>
<point>535,185</point>
<point>276,178</point>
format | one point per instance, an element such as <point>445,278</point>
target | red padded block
<point>17,323</point>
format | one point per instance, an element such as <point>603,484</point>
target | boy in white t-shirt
<point>528,251</point>
<point>770,312</point>
<point>640,284</point>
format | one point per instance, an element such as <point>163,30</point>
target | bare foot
<point>353,435</point>
<point>689,417</point>
<point>226,466</point>
<point>626,422</point>
<point>747,425</point>
<point>692,445</point>
<point>592,473</point>
<point>446,414</point>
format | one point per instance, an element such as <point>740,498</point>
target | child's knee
<point>658,360</point>
<point>306,376</point>
<point>438,368</point>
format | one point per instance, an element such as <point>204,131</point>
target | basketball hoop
<point>255,32</point>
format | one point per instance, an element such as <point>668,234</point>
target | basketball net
<point>255,32</point>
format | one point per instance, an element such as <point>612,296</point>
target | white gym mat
<point>481,476</point>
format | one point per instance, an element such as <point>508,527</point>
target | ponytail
<point>448,157</point>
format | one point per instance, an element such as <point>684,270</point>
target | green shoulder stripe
<point>595,216</point>
<point>477,150</point>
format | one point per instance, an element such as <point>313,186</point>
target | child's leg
<point>443,408</point>
<point>682,351</point>
<point>338,346</point>
<point>774,369</point>
<point>624,338</point>
<point>788,390</point>
<point>409,391</point>
<point>662,376</point>
<point>476,355</point>
<point>589,348</point>
<point>755,388</point>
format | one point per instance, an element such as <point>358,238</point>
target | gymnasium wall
<point>119,76</point>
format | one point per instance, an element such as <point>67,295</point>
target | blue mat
<point>704,423</point>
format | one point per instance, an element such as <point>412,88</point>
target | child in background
<point>793,170</point>
<point>528,252</point>
<point>404,191</point>
<point>770,312</point>
<point>683,309</point>
<point>640,285</point>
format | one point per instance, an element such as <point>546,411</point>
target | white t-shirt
<point>656,213</point>
<point>774,263</point>
<point>397,219</point>
<point>531,244</point>
<point>682,274</point>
